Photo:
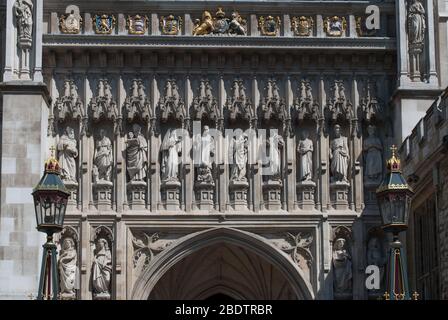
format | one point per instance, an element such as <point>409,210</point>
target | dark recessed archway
<point>237,263</point>
<point>223,270</point>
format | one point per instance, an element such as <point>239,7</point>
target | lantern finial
<point>52,164</point>
<point>393,164</point>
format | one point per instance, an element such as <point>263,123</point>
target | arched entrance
<point>222,261</point>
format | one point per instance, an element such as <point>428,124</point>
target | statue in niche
<point>68,267</point>
<point>23,10</point>
<point>171,149</point>
<point>339,156</point>
<point>375,255</point>
<point>102,162</point>
<point>101,268</point>
<point>416,23</point>
<point>275,144</point>
<point>136,152</point>
<point>305,150</point>
<point>206,147</point>
<point>240,153</point>
<point>342,267</point>
<point>373,156</point>
<point>67,155</point>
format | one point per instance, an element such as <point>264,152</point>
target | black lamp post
<point>50,202</point>
<point>394,200</point>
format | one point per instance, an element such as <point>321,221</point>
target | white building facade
<point>143,101</point>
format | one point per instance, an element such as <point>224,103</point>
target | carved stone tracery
<point>238,104</point>
<point>103,106</point>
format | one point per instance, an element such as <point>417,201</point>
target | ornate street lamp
<point>50,202</point>
<point>394,200</point>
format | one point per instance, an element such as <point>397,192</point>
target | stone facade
<point>121,93</point>
<point>425,166</point>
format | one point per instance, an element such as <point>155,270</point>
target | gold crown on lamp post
<point>52,164</point>
<point>394,163</point>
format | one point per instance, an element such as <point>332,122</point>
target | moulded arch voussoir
<point>193,242</point>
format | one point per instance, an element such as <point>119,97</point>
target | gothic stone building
<point>124,90</point>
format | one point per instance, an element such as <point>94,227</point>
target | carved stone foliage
<point>69,106</point>
<point>342,260</point>
<point>238,105</point>
<point>269,25</point>
<point>137,106</point>
<point>305,106</point>
<point>338,105</point>
<point>171,25</point>
<point>271,105</point>
<point>220,24</point>
<point>71,22</point>
<point>171,105</point>
<point>298,247</point>
<point>103,106</point>
<point>371,106</point>
<point>204,103</point>
<point>302,26</point>
<point>68,263</point>
<point>146,247</point>
<point>103,24</point>
<point>137,24</point>
<point>335,26</point>
<point>102,263</point>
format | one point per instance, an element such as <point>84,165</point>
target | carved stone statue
<point>67,155</point>
<point>136,152</point>
<point>67,267</point>
<point>275,143</point>
<point>342,267</point>
<point>339,156</point>
<point>171,148</point>
<point>373,159</point>
<point>240,152</point>
<point>375,254</point>
<point>416,22</point>
<point>102,162</point>
<point>23,10</point>
<point>305,150</point>
<point>206,147</point>
<point>101,268</point>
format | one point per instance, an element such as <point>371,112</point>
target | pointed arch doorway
<point>222,262</point>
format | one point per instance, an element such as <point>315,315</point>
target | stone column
<point>187,160</point>
<point>402,41</point>
<point>221,166</point>
<point>24,149</point>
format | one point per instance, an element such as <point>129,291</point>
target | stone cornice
<point>221,42</point>
<point>26,87</point>
<point>304,6</point>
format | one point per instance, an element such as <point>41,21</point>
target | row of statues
<point>101,274</point>
<point>171,149</point>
